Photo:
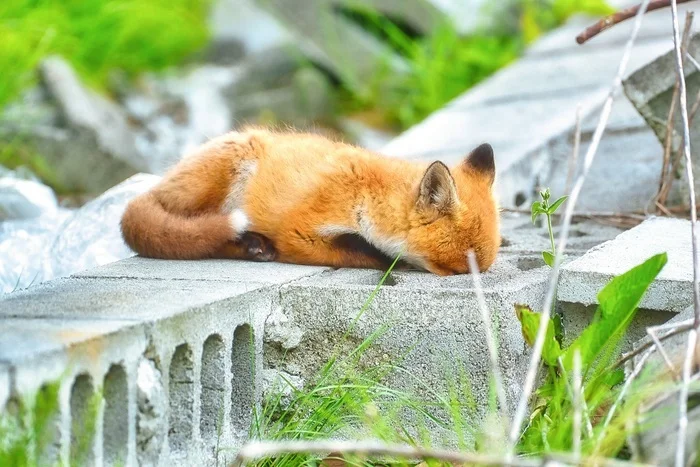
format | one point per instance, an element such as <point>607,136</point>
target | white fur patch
<point>239,221</point>
<point>333,230</point>
<point>391,247</point>
<point>234,199</point>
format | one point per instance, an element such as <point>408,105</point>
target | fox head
<point>455,212</point>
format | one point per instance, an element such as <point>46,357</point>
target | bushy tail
<point>152,231</point>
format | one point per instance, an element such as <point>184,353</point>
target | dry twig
<point>490,341</point>
<point>573,160</point>
<point>258,449</point>
<point>693,334</point>
<point>566,224</point>
<point>578,407</point>
<point>620,16</point>
<point>668,168</point>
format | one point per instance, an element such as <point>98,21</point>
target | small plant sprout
<point>543,207</point>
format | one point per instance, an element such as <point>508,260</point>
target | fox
<point>283,195</point>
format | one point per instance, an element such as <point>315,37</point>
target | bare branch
<point>628,382</point>
<point>258,449</point>
<point>667,167</point>
<point>620,16</point>
<point>564,233</point>
<point>693,334</point>
<point>664,355</point>
<point>577,404</point>
<point>573,160</point>
<point>683,398</point>
<point>676,328</point>
<point>490,341</point>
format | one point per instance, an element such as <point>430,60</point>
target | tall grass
<point>349,399</point>
<point>444,64</point>
<point>96,36</point>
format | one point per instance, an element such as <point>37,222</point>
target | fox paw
<point>257,247</point>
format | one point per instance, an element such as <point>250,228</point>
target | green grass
<point>96,36</point>
<point>350,397</point>
<point>444,64</point>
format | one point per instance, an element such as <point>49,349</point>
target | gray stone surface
<point>582,279</point>
<point>431,324</point>
<point>527,112</point>
<point>134,300</point>
<point>204,270</point>
<point>650,89</point>
<point>658,413</point>
<point>92,118</point>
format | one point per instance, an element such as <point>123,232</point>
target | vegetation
<point>544,208</point>
<point>96,36</point>
<point>349,398</point>
<point>444,64</point>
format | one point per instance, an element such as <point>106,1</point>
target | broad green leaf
<point>548,258</point>
<point>553,208</point>
<point>536,210</point>
<point>618,303</point>
<point>530,322</point>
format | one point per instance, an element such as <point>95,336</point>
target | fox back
<point>306,194</point>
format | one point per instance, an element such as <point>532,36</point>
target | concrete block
<point>659,413</point>
<point>204,270</point>
<point>527,112</point>
<point>519,236</point>
<point>433,325</point>
<point>582,279</point>
<point>650,89</point>
<point>136,300</point>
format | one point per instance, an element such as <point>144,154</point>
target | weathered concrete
<point>658,414</point>
<point>650,89</point>
<point>432,324</point>
<point>582,279</point>
<point>527,112</point>
<point>164,346</point>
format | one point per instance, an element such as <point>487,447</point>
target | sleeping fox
<point>301,198</point>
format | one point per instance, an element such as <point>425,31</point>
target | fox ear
<point>437,189</point>
<point>481,160</point>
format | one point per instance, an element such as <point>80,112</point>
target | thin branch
<point>693,334</point>
<point>564,233</point>
<point>683,398</point>
<point>570,393</point>
<point>664,355</point>
<point>577,404</point>
<point>667,168</point>
<point>259,449</point>
<point>620,16</point>
<point>573,160</point>
<point>677,328</point>
<point>490,341</point>
<point>628,382</point>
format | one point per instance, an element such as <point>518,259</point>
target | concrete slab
<point>204,270</point>
<point>659,413</point>
<point>431,325</point>
<point>136,300</point>
<point>20,337</point>
<point>581,280</point>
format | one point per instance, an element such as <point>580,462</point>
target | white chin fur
<point>239,221</point>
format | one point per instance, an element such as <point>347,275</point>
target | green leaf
<point>530,323</point>
<point>548,258</point>
<point>555,205</point>
<point>618,303</point>
<point>536,210</point>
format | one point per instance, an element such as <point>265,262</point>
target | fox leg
<point>342,251</point>
<point>250,246</point>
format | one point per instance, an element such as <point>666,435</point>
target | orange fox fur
<point>303,193</point>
